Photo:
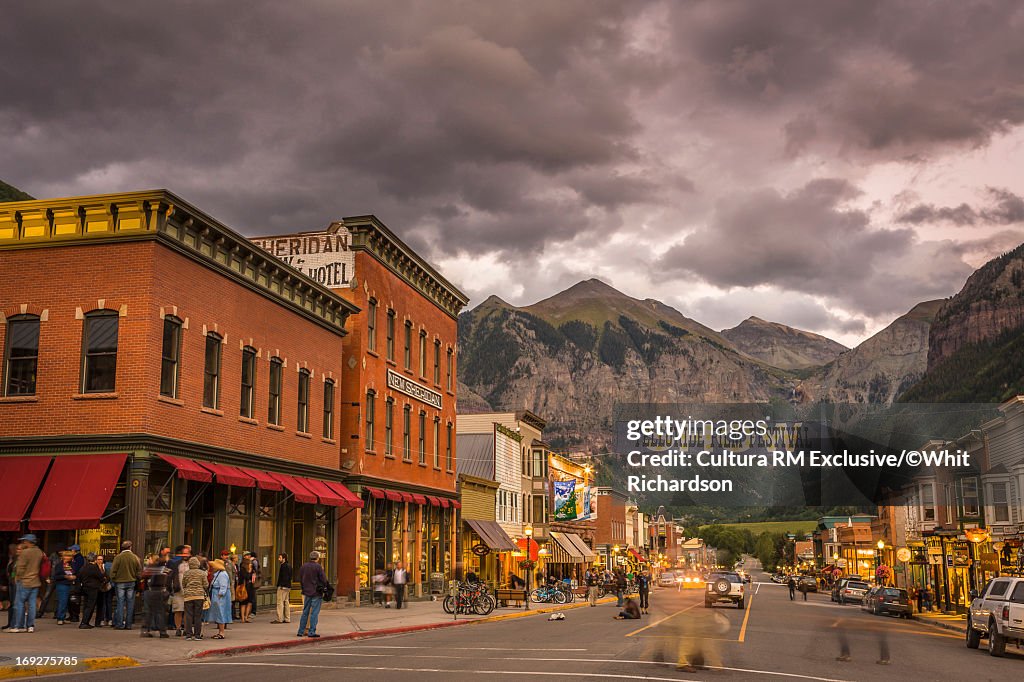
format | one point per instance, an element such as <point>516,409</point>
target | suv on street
<point>851,591</point>
<point>997,614</point>
<point>724,586</point>
<point>881,599</point>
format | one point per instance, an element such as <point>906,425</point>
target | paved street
<point>773,639</point>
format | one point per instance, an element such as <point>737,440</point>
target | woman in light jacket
<point>220,598</point>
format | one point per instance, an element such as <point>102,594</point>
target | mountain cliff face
<point>881,367</point>
<point>991,303</point>
<point>11,193</point>
<point>781,346</point>
<point>573,356</point>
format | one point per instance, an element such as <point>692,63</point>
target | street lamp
<point>878,560</point>
<point>528,532</point>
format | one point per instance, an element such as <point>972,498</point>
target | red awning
<point>637,555</point>
<point>346,494</point>
<point>407,497</point>
<point>433,500</point>
<point>229,475</point>
<point>296,488</point>
<point>264,481</point>
<point>456,504</point>
<point>19,480</point>
<point>392,495</point>
<point>324,492</point>
<point>76,492</point>
<point>187,469</point>
<point>377,493</point>
<point>419,499</point>
<point>444,502</point>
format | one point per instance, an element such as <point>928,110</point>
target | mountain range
<point>572,357</point>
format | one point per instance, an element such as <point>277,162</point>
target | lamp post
<point>878,560</point>
<point>528,532</point>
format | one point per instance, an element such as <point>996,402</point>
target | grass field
<point>759,527</point>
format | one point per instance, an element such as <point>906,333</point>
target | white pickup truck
<point>998,614</point>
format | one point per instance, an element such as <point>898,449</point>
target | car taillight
<point>741,589</point>
<point>846,591</point>
<point>1006,612</point>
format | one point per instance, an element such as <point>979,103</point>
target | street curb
<point>11,672</point>
<point>383,632</point>
<point>940,624</point>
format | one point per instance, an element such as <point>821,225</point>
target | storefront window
<point>397,526</point>
<point>158,509</point>
<point>237,521</point>
<point>321,533</point>
<point>380,529</point>
<point>266,530</point>
<point>410,548</point>
<point>364,544</point>
<point>158,531</point>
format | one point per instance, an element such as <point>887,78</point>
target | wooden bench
<point>503,597</point>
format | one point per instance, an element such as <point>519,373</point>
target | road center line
<point>659,622</point>
<point>746,617</point>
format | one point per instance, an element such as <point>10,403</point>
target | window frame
<point>422,442</point>
<point>247,400</point>
<point>302,402</point>
<point>408,345</point>
<point>448,447</point>
<point>390,331</point>
<point>371,325</point>
<point>389,426</point>
<point>329,409</point>
<point>451,360</point>
<point>423,354</point>
<point>437,362</point>
<point>371,409</point>
<point>407,433</point>
<point>437,443</point>
<point>218,342</point>
<point>175,324</point>
<point>87,324</point>
<point>275,389</point>
<point>8,348</point>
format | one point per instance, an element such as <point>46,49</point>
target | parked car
<point>724,586</point>
<point>852,591</point>
<point>998,615</point>
<point>807,583</point>
<point>883,600</point>
<point>667,579</point>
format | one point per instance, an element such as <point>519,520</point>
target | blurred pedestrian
<point>158,578</point>
<point>399,579</point>
<point>620,586</point>
<point>630,611</point>
<point>246,578</point>
<point>643,584</point>
<point>178,565</point>
<point>792,588</point>
<point>592,580</point>
<point>26,574</point>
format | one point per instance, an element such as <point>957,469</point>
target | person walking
<point>158,579</point>
<point>193,594</point>
<point>620,586</point>
<point>106,603</point>
<point>124,573</point>
<point>221,590</point>
<point>48,585</point>
<point>256,579</point>
<point>284,589</point>
<point>92,579</point>
<point>792,588</point>
<point>591,579</point>
<point>178,565</point>
<point>26,576</point>
<point>399,580</point>
<point>313,581</point>
<point>75,598</point>
<point>643,584</point>
<point>378,587</point>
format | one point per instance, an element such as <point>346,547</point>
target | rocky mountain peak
<point>782,346</point>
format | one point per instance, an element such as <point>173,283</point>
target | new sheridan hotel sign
<point>324,257</point>
<point>399,383</point>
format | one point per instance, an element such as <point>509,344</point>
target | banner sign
<point>409,387</point>
<point>324,257</point>
<point>565,500</point>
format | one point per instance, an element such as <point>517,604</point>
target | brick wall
<point>374,280</point>
<point>140,279</point>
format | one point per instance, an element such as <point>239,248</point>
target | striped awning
<point>564,551</point>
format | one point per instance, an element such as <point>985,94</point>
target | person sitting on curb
<point>630,611</point>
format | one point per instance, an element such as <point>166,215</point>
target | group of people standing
<point>389,585</point>
<point>179,592</point>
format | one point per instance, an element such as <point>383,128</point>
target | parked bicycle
<point>470,598</point>
<point>548,595</point>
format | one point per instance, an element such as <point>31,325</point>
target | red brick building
<point>610,534</point>
<point>166,381</point>
<point>398,402</point>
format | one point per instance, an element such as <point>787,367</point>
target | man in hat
<point>313,580</point>
<point>26,575</point>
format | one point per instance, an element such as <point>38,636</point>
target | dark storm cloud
<point>808,241</point>
<point>513,131</point>
<point>1005,208</point>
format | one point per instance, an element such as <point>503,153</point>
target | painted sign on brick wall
<point>324,257</point>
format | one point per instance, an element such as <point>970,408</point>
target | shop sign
<point>989,562</point>
<point>105,540</point>
<point>324,257</point>
<point>480,549</point>
<point>320,544</point>
<point>409,387</point>
<point>903,554</point>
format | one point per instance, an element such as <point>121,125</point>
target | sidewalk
<point>956,623</point>
<point>51,639</point>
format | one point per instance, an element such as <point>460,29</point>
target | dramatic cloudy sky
<point>822,164</point>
